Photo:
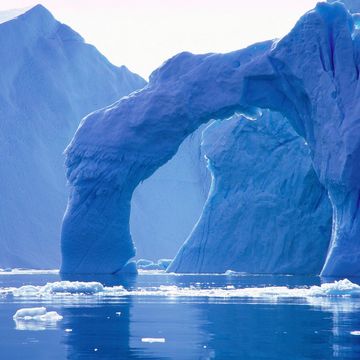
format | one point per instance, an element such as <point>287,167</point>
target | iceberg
<point>50,79</point>
<point>267,211</point>
<point>310,76</point>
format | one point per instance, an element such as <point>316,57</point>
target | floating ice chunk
<point>29,313</point>
<point>162,264</point>
<point>153,340</point>
<point>37,314</point>
<point>233,273</point>
<point>338,288</point>
<point>73,287</point>
<point>60,287</point>
<point>143,262</point>
<point>355,332</point>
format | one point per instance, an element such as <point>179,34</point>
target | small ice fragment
<point>355,332</point>
<point>118,313</point>
<point>68,330</point>
<point>36,314</point>
<point>153,340</point>
<point>230,272</point>
<point>96,349</point>
<point>29,312</point>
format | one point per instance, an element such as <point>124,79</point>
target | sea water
<point>164,316</point>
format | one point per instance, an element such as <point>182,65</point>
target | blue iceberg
<point>310,76</point>
<point>50,79</point>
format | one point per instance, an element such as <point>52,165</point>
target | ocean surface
<point>162,316</point>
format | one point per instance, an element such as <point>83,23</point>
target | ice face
<point>267,212</point>
<point>50,79</point>
<point>310,77</point>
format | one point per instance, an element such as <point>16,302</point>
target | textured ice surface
<point>267,212</point>
<point>310,76</point>
<point>50,79</point>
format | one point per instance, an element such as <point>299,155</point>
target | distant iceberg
<point>50,79</point>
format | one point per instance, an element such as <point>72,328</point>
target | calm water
<point>190,327</point>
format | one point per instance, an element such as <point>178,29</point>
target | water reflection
<point>193,328</point>
<point>99,330</point>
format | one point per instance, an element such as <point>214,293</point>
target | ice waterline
<point>338,289</point>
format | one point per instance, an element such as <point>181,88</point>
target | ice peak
<point>38,11</point>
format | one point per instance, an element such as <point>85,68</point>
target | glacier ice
<point>266,212</point>
<point>50,79</point>
<point>310,76</point>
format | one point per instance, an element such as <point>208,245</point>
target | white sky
<point>141,34</point>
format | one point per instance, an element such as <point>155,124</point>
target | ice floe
<point>337,289</point>
<point>34,319</point>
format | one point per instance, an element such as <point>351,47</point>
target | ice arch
<point>310,76</point>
